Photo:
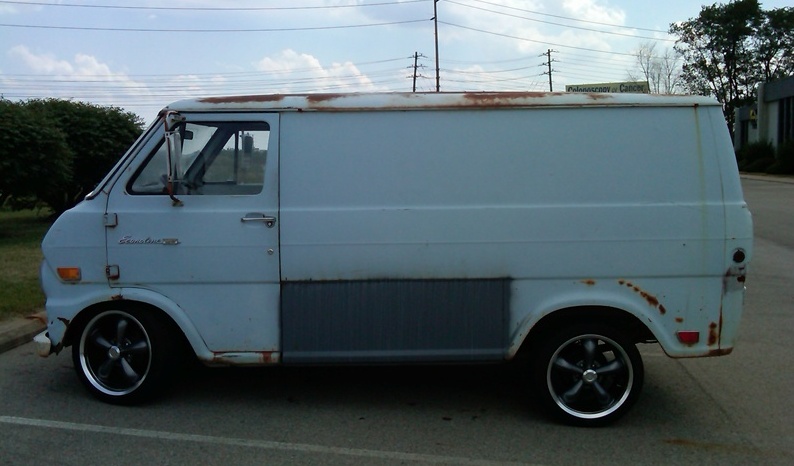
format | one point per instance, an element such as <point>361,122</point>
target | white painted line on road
<point>250,443</point>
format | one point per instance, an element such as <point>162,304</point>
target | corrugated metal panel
<point>394,320</point>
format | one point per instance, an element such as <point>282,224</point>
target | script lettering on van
<point>129,239</point>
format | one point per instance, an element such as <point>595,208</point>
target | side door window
<point>224,158</point>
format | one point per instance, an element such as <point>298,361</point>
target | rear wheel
<point>588,375</point>
<point>124,356</point>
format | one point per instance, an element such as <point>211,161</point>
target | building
<point>771,118</point>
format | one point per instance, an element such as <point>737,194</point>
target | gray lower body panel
<point>375,321</point>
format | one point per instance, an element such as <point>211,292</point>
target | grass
<point>20,256</point>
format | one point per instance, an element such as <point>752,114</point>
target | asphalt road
<point>723,411</point>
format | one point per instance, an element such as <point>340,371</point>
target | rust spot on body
<point>720,352</point>
<point>500,98</point>
<point>315,98</point>
<point>234,359</point>
<point>651,299</point>
<point>714,336</point>
<point>241,99</point>
<point>589,282</point>
<point>597,96</point>
<point>680,320</point>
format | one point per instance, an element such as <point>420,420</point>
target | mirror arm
<point>170,122</point>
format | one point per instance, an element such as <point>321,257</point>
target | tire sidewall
<point>547,349</point>
<point>161,357</point>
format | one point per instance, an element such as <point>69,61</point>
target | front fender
<point>170,308</point>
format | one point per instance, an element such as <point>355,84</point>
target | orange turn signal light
<point>69,274</point>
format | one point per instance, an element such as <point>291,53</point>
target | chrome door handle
<point>268,221</point>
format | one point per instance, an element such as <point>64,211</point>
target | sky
<point>140,55</point>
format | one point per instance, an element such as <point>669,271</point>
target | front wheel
<point>123,356</point>
<point>588,375</point>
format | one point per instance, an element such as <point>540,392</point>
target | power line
<point>106,29</point>
<point>533,41</point>
<point>571,19</point>
<point>214,9</point>
<point>600,31</point>
<point>187,73</point>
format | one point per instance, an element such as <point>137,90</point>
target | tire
<point>124,356</point>
<point>587,374</point>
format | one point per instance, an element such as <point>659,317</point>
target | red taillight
<point>688,337</point>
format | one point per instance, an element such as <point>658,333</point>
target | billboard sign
<point>632,87</point>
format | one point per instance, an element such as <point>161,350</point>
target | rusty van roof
<point>386,101</point>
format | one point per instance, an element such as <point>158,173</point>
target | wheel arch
<point>171,315</point>
<point>620,319</point>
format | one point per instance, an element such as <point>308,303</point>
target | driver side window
<point>217,159</point>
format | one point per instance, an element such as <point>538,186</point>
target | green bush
<point>97,137</point>
<point>53,152</point>
<point>784,163</point>
<point>35,159</point>
<point>755,157</point>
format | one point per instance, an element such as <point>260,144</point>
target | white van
<point>408,228</point>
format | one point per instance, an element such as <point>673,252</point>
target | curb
<point>17,332</point>
<point>769,178</point>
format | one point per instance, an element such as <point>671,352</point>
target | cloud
<point>290,71</point>
<point>84,78</point>
<point>44,64</point>
<point>540,24</point>
<point>591,10</point>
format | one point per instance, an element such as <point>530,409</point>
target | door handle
<point>267,220</point>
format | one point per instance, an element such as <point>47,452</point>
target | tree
<point>55,151</point>
<point>35,160</point>
<point>728,49</point>
<point>663,72</point>
<point>97,137</point>
<point>775,44</point>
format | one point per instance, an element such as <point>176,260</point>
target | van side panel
<point>576,206</point>
<point>738,232</point>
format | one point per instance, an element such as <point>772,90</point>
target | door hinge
<point>111,220</point>
<point>112,272</point>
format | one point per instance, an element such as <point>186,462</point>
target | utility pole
<point>548,63</point>
<point>416,67</point>
<point>435,21</point>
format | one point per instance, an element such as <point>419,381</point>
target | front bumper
<point>43,344</point>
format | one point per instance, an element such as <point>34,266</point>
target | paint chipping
<point>720,352</point>
<point>316,98</point>
<point>242,99</point>
<point>493,99</point>
<point>713,334</point>
<point>652,300</point>
<point>596,96</point>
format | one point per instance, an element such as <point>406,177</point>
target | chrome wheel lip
<point>91,372</point>
<point>557,397</point>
